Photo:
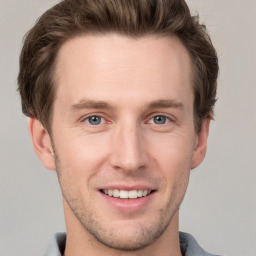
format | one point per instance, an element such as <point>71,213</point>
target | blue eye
<point>94,120</point>
<point>159,120</point>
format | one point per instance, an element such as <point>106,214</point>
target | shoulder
<point>57,245</point>
<point>190,247</point>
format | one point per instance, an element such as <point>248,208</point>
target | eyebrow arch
<point>166,103</point>
<point>86,103</point>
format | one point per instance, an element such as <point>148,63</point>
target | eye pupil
<point>159,119</point>
<point>94,120</point>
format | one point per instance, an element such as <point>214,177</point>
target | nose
<point>129,151</point>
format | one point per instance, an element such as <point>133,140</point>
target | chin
<point>127,235</point>
<point>129,240</point>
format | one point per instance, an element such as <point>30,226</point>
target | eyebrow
<point>91,104</point>
<point>166,103</point>
<point>86,103</point>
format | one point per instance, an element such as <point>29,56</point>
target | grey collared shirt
<point>188,246</point>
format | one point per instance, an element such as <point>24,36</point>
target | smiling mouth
<point>125,194</point>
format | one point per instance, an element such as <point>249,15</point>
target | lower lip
<point>128,204</point>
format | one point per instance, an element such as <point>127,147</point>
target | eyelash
<point>167,119</point>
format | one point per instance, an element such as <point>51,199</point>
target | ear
<point>41,143</point>
<point>201,144</point>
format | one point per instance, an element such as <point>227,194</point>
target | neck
<point>80,242</point>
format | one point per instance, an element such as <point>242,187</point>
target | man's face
<point>123,127</point>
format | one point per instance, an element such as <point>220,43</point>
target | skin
<point>126,83</point>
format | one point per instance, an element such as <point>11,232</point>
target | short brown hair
<point>134,18</point>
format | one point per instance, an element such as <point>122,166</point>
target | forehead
<point>120,66</point>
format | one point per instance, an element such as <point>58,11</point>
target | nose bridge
<point>128,151</point>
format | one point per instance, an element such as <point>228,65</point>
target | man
<point>120,95</point>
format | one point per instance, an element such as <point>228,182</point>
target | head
<point>119,95</point>
<point>135,19</point>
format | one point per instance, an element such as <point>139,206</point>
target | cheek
<point>172,156</point>
<point>79,160</point>
<point>173,151</point>
<point>80,156</point>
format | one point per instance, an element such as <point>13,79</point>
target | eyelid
<point>101,115</point>
<point>170,117</point>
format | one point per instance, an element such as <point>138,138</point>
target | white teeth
<point>139,193</point>
<point>125,194</point>
<point>116,193</point>
<point>133,194</point>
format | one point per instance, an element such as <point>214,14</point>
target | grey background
<point>220,205</point>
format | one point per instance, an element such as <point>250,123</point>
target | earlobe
<point>42,143</point>
<point>201,144</point>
